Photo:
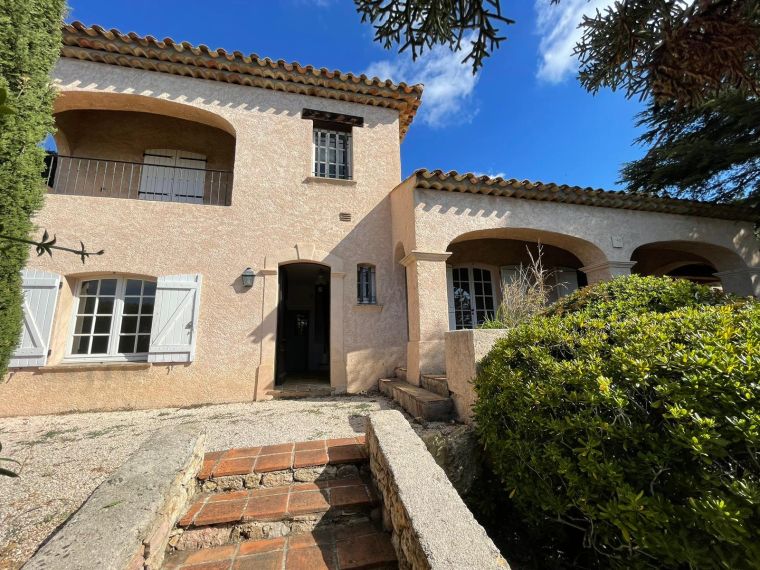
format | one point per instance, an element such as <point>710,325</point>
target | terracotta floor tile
<point>241,466</point>
<point>349,496</point>
<point>218,565</point>
<point>187,518</point>
<point>361,439</point>
<point>230,496</point>
<point>207,468</point>
<point>215,513</point>
<point>239,452</point>
<point>346,454</point>
<point>341,442</point>
<point>310,458</point>
<point>269,491</point>
<point>309,539</point>
<point>301,487</point>
<point>281,448</point>
<point>211,554</point>
<point>348,482</point>
<point>266,508</point>
<point>355,530</point>
<point>262,561</point>
<point>310,445</point>
<point>276,462</point>
<point>365,551</point>
<point>258,546</point>
<point>213,455</point>
<point>308,502</point>
<point>312,558</point>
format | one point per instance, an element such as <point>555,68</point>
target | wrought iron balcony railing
<point>138,181</point>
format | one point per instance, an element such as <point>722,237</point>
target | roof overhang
<point>181,58</point>
<point>548,192</point>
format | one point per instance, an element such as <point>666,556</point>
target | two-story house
<point>257,232</point>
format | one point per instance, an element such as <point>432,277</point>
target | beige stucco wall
<point>275,206</point>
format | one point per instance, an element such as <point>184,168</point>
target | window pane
<point>134,287</point>
<point>107,287</point>
<point>143,343</point>
<point>105,306</point>
<point>103,325</point>
<point>149,288</point>
<point>80,345</point>
<point>131,305</point>
<point>89,288</point>
<point>147,306</point>
<point>127,344</point>
<point>145,323</point>
<point>99,345</point>
<point>129,324</point>
<point>83,325</point>
<point>87,305</point>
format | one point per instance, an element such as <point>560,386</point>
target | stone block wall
<point>431,527</point>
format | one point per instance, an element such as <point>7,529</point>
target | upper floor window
<point>366,293</point>
<point>113,319</point>
<point>332,154</point>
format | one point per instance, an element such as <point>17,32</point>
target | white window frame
<point>474,309</point>
<point>113,336</point>
<point>372,272</point>
<point>349,155</point>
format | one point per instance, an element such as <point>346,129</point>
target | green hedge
<point>30,40</point>
<point>642,432</point>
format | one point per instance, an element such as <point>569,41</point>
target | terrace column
<point>742,282</point>
<point>427,308</point>
<point>606,270</point>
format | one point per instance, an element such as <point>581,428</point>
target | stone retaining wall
<point>125,523</point>
<point>464,351</point>
<point>432,528</point>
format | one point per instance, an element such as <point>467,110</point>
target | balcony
<point>163,176</point>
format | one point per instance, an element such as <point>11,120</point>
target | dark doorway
<point>303,324</point>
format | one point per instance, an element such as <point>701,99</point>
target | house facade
<point>257,232</point>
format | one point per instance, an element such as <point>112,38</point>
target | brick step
<point>435,383</point>
<point>400,373</point>
<point>247,467</point>
<point>337,497</point>
<point>353,547</point>
<point>419,402</point>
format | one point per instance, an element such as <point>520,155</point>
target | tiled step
<point>284,457</point>
<point>334,497</point>
<point>435,383</point>
<point>400,373</point>
<point>420,403</point>
<point>348,547</point>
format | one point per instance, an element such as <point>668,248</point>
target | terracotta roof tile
<point>97,44</point>
<point>549,192</point>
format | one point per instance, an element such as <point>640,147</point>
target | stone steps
<point>251,467</point>
<point>435,383</point>
<point>353,547</point>
<point>418,401</point>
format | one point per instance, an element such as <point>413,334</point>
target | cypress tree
<point>30,40</point>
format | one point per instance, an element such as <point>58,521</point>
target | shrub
<point>635,294</point>
<point>642,432</point>
<point>30,40</point>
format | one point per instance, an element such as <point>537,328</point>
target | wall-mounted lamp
<point>247,277</point>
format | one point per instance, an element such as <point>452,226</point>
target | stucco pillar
<point>742,282</point>
<point>338,380</point>
<point>427,307</point>
<point>606,270</point>
<point>268,335</point>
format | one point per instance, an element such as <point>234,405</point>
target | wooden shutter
<point>175,319</point>
<point>173,176</point>
<point>40,299</point>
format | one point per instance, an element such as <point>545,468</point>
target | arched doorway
<point>303,325</point>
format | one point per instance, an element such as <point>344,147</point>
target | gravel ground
<point>64,458</point>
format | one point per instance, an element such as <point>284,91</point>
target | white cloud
<point>558,26</point>
<point>449,84</point>
<point>491,174</point>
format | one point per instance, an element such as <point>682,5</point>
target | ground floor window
<point>113,319</point>
<point>471,296</point>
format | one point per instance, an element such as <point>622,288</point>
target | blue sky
<point>523,116</point>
